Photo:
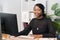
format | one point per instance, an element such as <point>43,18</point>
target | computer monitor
<point>0,30</point>
<point>9,24</point>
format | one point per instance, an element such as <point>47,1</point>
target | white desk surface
<point>26,38</point>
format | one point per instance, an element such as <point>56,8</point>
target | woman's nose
<point>36,11</point>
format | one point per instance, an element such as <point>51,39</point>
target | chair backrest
<point>25,24</point>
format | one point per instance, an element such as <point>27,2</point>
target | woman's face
<point>37,11</point>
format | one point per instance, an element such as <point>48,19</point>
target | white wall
<point>0,5</point>
<point>49,5</point>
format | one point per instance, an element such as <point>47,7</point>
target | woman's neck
<point>40,17</point>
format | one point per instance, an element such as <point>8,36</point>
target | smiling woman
<point>41,26</point>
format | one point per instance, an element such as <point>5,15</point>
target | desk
<point>9,37</point>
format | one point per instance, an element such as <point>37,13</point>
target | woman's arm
<point>51,29</point>
<point>27,30</point>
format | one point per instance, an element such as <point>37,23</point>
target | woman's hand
<point>37,36</point>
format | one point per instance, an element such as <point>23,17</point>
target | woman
<point>41,25</point>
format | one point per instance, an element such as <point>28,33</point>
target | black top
<point>40,26</point>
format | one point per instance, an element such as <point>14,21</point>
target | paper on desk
<point>43,39</point>
<point>47,39</point>
<point>28,37</point>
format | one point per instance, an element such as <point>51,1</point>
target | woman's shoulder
<point>33,18</point>
<point>48,19</point>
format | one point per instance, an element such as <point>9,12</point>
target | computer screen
<point>0,30</point>
<point>9,23</point>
